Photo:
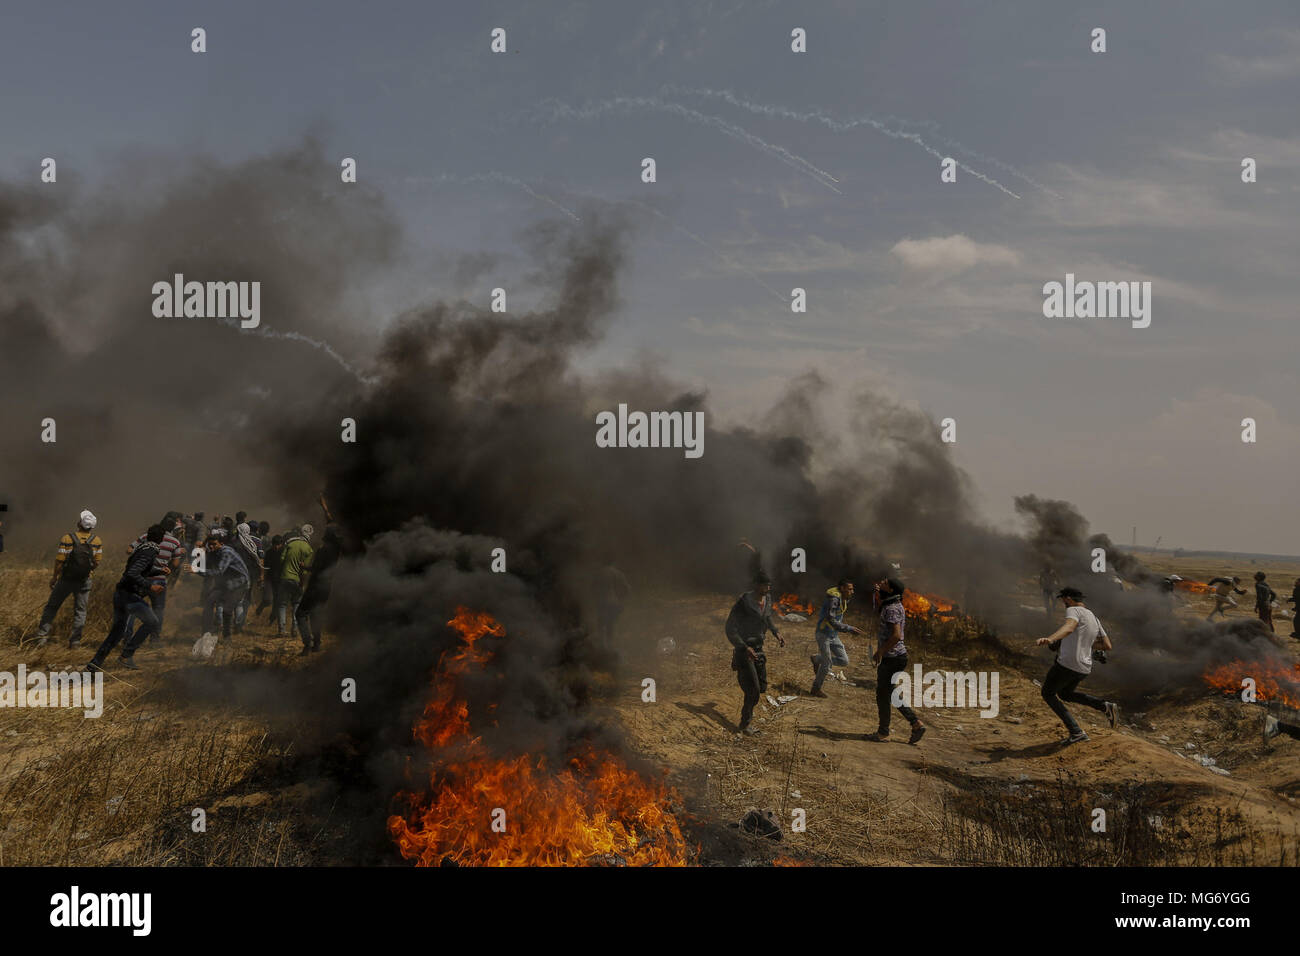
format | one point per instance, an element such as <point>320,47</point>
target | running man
<point>1223,592</point>
<point>830,625</point>
<point>1075,640</point>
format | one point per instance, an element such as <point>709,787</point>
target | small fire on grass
<point>1195,587</point>
<point>594,810</point>
<point>793,603</point>
<point>922,605</point>
<point>1273,680</point>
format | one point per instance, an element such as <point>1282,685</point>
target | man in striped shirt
<point>171,554</point>
<point>79,554</point>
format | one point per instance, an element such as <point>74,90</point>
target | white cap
<point>308,531</point>
<point>88,521</point>
<point>1174,577</point>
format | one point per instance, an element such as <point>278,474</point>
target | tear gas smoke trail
<point>325,347</point>
<point>819,116</point>
<point>841,126</point>
<point>555,110</point>
<point>496,177</point>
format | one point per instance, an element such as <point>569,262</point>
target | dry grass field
<point>122,789</point>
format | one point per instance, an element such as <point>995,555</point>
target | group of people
<point>1265,598</point>
<point>1078,642</point>
<point>753,615</point>
<point>234,556</point>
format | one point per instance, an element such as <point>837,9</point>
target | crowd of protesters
<point>244,569</point>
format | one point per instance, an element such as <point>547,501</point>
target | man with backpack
<point>129,602</point>
<point>79,554</point>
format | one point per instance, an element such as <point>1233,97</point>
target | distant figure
<point>1168,589</point>
<point>272,560</point>
<point>129,602</point>
<point>1049,583</point>
<point>79,554</point>
<point>1224,590</point>
<point>611,592</point>
<point>317,590</point>
<point>750,619</point>
<point>1264,598</point>
<point>250,552</point>
<point>195,530</point>
<point>1076,640</point>
<point>1295,611</point>
<point>830,625</point>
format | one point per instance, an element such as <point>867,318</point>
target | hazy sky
<point>1127,165</point>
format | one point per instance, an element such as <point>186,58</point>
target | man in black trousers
<point>748,622</point>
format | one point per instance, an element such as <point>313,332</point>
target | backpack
<point>81,561</point>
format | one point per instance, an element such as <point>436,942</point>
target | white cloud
<point>949,255</point>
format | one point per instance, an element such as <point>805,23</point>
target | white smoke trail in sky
<point>493,176</point>
<point>841,126</point>
<point>554,110</point>
<point>268,333</point>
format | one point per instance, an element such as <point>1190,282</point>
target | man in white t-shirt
<point>1078,637</point>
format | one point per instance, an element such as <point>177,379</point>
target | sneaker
<point>126,661</point>
<point>877,737</point>
<point>918,731</point>
<point>1079,738</point>
<point>750,731</point>
<point>1112,713</point>
<point>817,693</point>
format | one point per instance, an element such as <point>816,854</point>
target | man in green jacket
<point>295,562</point>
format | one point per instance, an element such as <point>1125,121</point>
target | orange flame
<point>1195,587</point>
<point>918,604</point>
<point>1273,680</point>
<point>481,810</point>
<point>792,602</point>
